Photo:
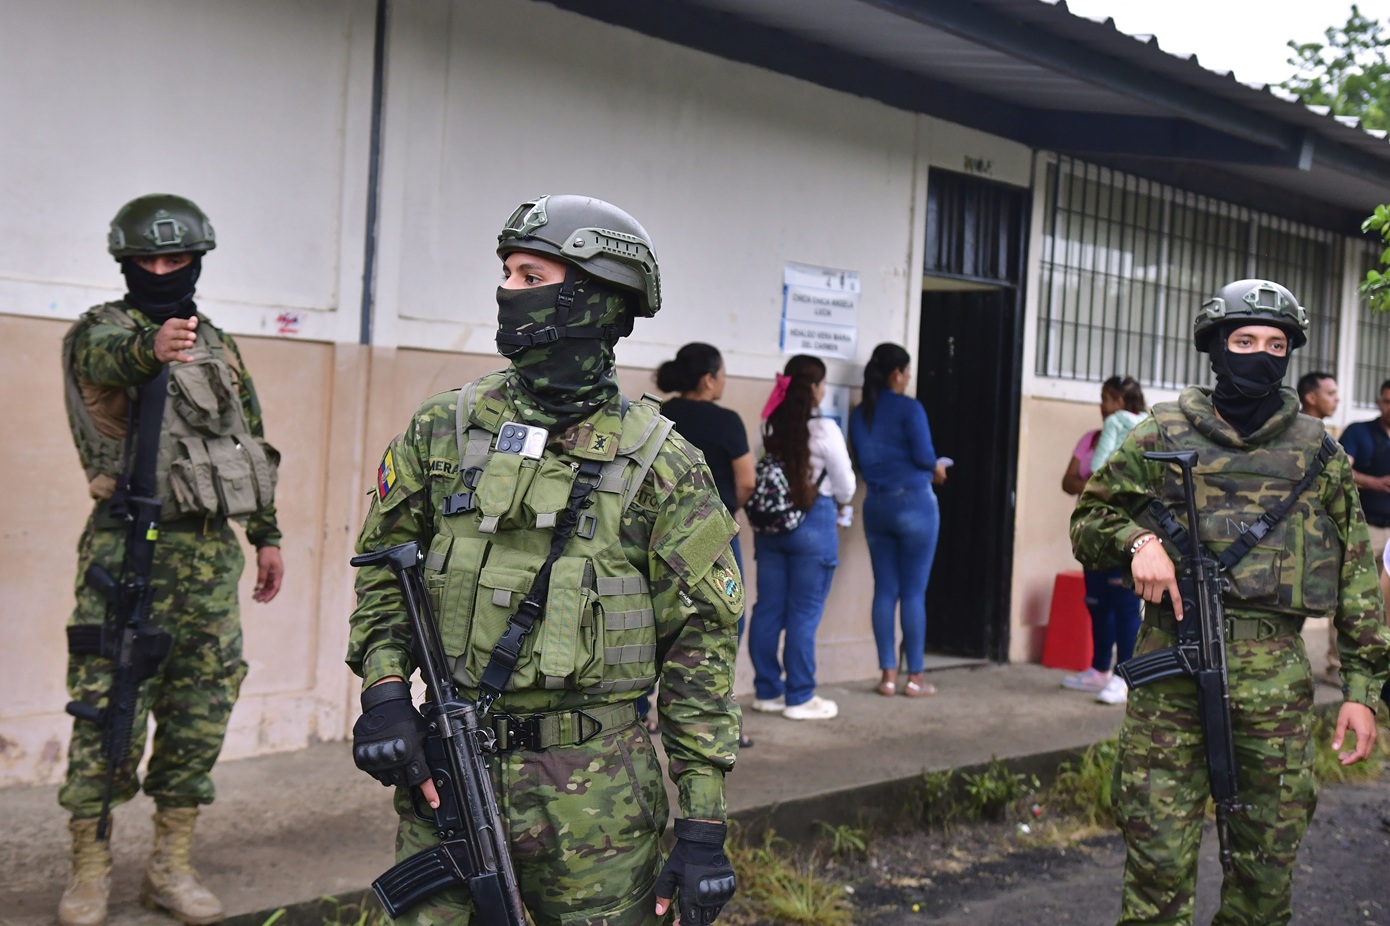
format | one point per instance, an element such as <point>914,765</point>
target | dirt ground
<point>995,875</point>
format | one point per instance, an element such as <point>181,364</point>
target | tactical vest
<point>1295,569</point>
<point>209,463</point>
<point>599,630</point>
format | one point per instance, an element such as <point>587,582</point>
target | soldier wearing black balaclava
<point>1253,451</point>
<point>645,590</point>
<point>214,468</point>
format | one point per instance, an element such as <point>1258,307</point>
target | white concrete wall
<point>260,111</point>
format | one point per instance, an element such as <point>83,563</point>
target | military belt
<point>194,525</point>
<point>538,732</point>
<point>103,519</point>
<point>1257,629</point>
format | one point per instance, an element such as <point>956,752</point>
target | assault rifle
<point>1201,648</point>
<point>472,850</point>
<point>135,647</point>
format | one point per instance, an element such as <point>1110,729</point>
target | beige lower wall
<point>1048,432</point>
<point>330,409</point>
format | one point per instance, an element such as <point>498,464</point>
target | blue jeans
<point>1114,616</point>
<point>901,526</point>
<point>794,573</point>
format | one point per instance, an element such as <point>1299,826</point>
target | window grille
<point>1127,262</point>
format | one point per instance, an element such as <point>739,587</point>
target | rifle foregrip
<point>1153,667</point>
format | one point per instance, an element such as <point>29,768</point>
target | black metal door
<point>969,362</point>
<point>966,380</point>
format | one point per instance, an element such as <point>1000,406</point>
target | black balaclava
<point>561,382</point>
<point>1247,385</point>
<point>162,296</point>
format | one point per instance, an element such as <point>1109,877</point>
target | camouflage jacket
<point>110,361</point>
<point>696,598</point>
<point>1316,562</point>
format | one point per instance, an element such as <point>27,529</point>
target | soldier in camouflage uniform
<point>214,466</point>
<point>645,590</point>
<point>1253,448</point>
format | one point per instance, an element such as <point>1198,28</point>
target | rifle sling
<point>1180,538</point>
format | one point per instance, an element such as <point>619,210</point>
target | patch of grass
<point>991,792</point>
<point>845,840</point>
<point>932,801</point>
<point>1083,788</point>
<point>774,885</point>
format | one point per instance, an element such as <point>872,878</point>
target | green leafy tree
<point>1349,72</point>
<point>1376,286</point>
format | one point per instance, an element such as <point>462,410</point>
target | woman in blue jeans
<point>892,445</point>
<point>795,568</point>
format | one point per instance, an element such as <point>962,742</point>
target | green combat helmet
<point>607,242</point>
<point>160,223</point>
<point>1256,302</point>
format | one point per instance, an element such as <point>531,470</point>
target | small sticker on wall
<point>288,323</point>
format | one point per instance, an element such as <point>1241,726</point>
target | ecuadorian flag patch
<point>386,476</point>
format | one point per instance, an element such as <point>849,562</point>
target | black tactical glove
<point>698,872</point>
<point>388,740</point>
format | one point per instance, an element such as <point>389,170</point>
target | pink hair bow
<point>779,392</point>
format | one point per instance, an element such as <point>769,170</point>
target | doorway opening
<point>969,372</point>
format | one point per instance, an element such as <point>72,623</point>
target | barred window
<point>1127,262</point>
<point>1372,337</point>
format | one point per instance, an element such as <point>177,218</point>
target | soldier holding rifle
<point>1226,710</point>
<point>169,432</point>
<point>573,550</point>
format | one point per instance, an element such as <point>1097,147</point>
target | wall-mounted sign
<point>820,311</point>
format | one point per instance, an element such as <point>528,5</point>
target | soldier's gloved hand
<point>388,740</point>
<point>698,873</point>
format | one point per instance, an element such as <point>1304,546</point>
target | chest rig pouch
<point>209,463</point>
<point>592,627</point>
<point>215,466</point>
<point>1274,539</point>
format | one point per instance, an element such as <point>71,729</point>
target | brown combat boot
<point>171,883</point>
<point>84,901</point>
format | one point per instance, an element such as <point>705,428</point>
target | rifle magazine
<point>422,876</point>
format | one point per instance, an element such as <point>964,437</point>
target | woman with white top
<point>795,568</point>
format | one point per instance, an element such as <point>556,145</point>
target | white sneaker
<point>771,705</point>
<point>1114,692</point>
<point>817,708</point>
<point>1090,680</point>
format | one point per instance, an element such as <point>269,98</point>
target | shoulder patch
<point>386,475</point>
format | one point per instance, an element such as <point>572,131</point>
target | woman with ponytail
<point>892,445</point>
<point>795,568</point>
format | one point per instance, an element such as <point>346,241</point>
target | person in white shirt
<point>795,568</point>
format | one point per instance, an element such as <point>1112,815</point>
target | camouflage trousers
<point>1161,793</point>
<point>584,823</point>
<point>191,696</point>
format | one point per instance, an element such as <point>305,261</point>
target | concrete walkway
<point>297,826</point>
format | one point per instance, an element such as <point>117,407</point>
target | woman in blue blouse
<point>892,446</point>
